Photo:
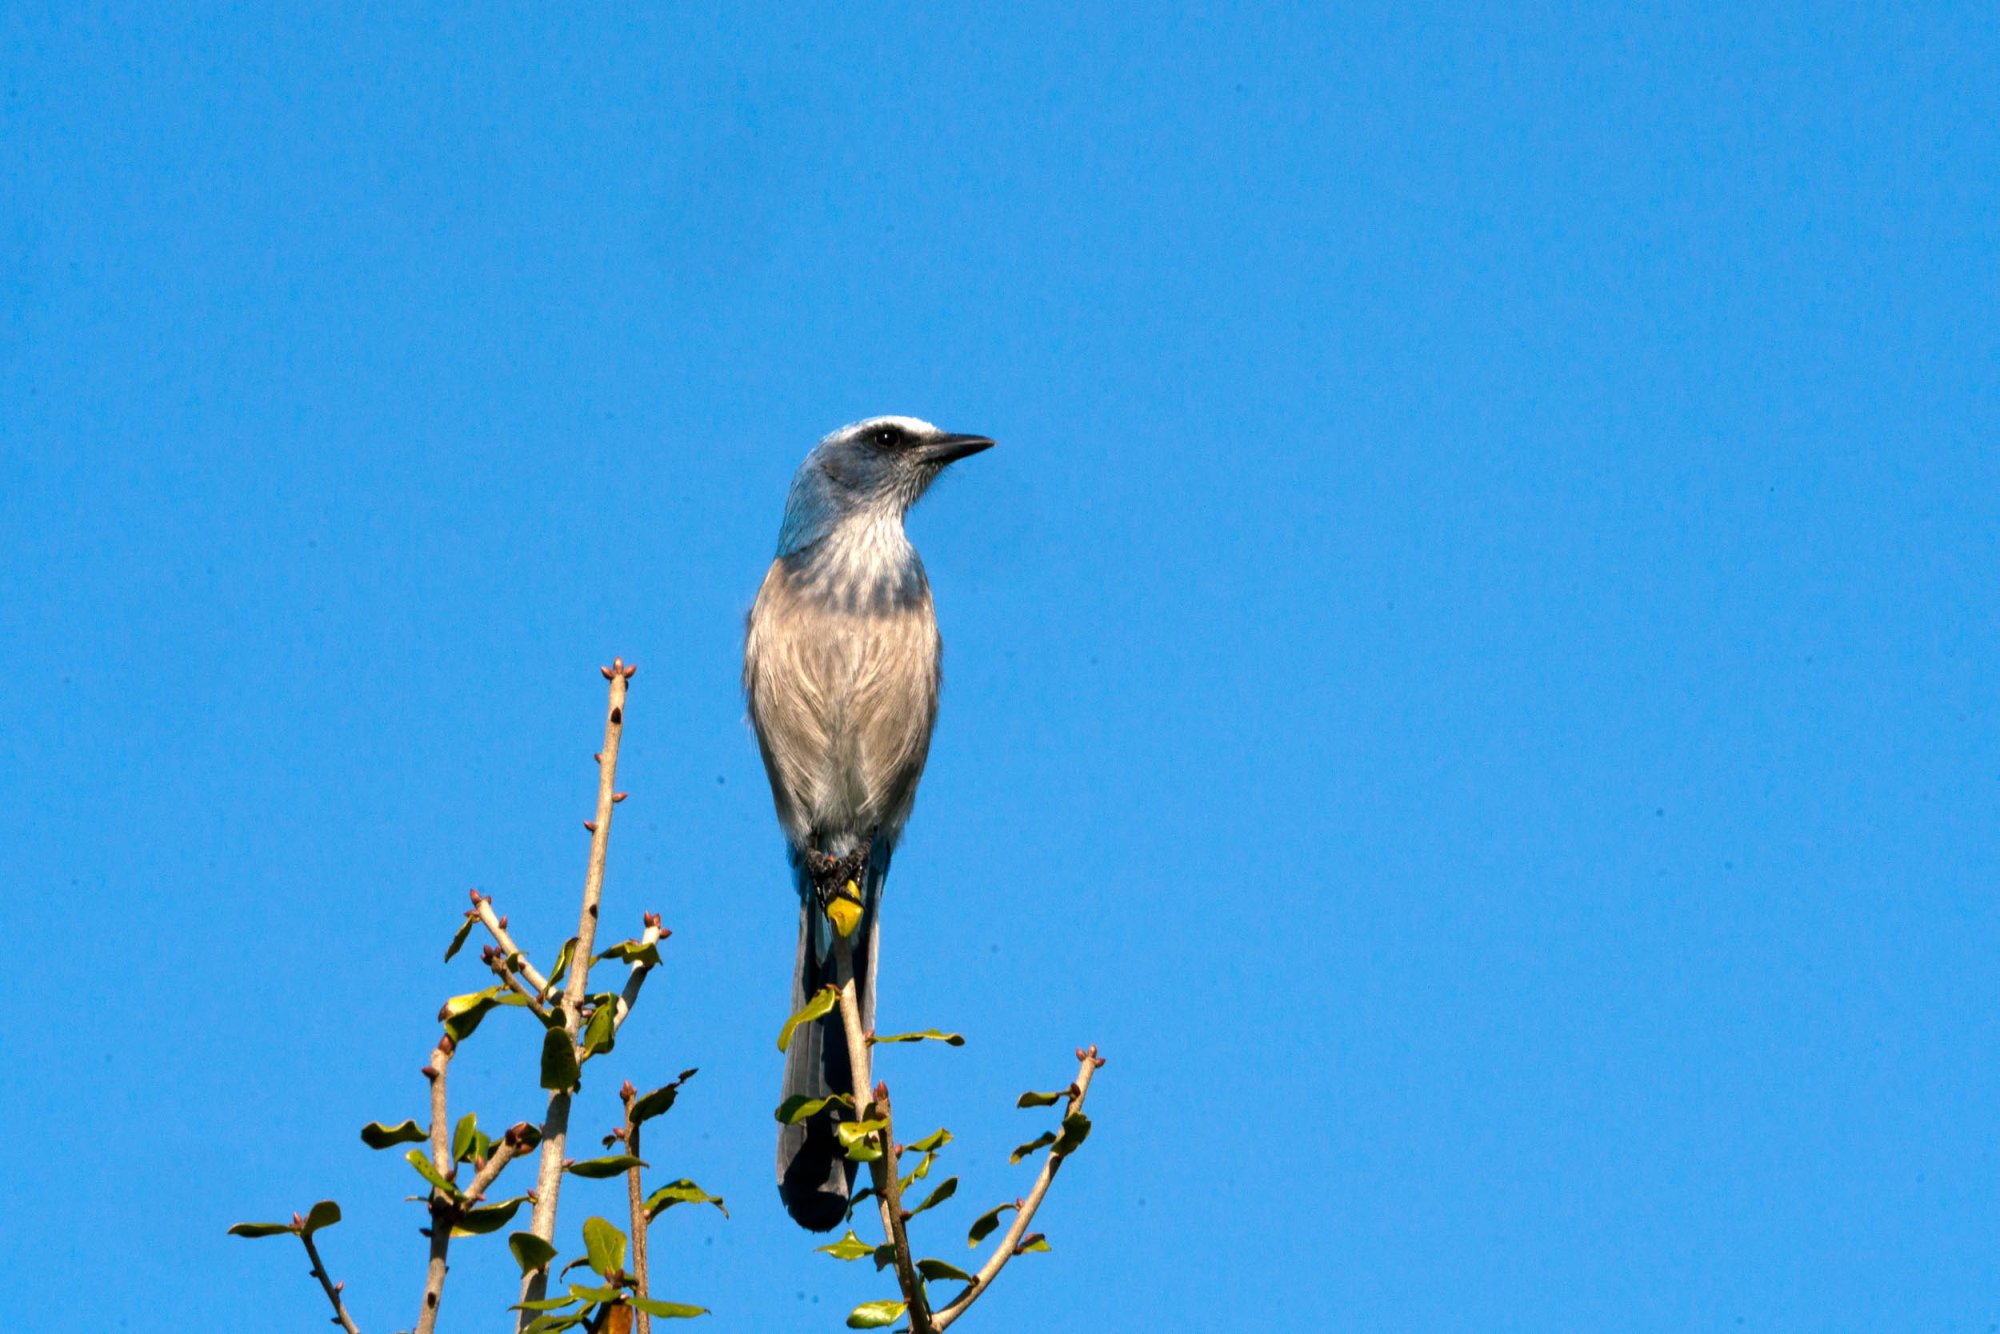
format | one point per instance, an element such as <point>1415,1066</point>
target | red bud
<point>591,825</point>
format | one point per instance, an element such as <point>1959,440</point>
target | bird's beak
<point>943,449</point>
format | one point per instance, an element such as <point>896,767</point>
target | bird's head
<point>873,469</point>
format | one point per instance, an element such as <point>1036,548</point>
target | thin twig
<point>496,959</point>
<point>332,1289</point>
<point>636,1193</point>
<point>555,1129</point>
<point>630,995</point>
<point>442,1207</point>
<point>496,926</point>
<point>888,1188</point>
<point>1009,1245</point>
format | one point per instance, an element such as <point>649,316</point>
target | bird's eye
<point>885,436</point>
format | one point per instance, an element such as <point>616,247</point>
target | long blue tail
<point>812,1171</point>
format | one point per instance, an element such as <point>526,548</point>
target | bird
<point>841,672</point>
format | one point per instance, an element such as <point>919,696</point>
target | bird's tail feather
<point>812,1171</point>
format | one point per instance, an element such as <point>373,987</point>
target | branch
<point>441,1207</point>
<point>635,1192</point>
<point>652,935</point>
<point>496,959</point>
<point>332,1289</point>
<point>888,1187</point>
<point>1009,1245</point>
<point>555,1129</point>
<point>496,926</point>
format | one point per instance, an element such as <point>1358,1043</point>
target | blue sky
<point>1470,673</point>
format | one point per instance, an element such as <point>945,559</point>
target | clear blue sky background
<point>1471,673</point>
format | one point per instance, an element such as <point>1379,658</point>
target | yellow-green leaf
<point>378,1136</point>
<point>422,1162</point>
<point>849,1247</point>
<point>816,1008</point>
<point>680,1192</point>
<point>665,1310</point>
<point>605,1245</point>
<point>874,1315</point>
<point>983,1226</point>
<point>487,1218</point>
<point>324,1214</point>
<point>1075,1129</point>
<point>530,1252</point>
<point>946,1189</point>
<point>798,1107</point>
<point>559,1067</point>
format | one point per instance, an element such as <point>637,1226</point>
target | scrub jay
<point>841,672</point>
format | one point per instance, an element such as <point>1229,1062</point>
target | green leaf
<point>1075,1129</point>
<point>559,1067</point>
<point>680,1192</point>
<point>605,1245</point>
<point>849,1247</point>
<point>983,1226</point>
<point>324,1214</point>
<point>550,1323</point>
<point>544,1303</point>
<point>422,1162</point>
<point>477,1222</point>
<point>463,1136</point>
<point>556,974</point>
<point>660,1100</point>
<point>631,951</point>
<point>602,1031</point>
<point>874,1315</point>
<point>378,1136</point>
<point>932,1142</point>
<point>458,938</point>
<point>665,1310</point>
<point>582,1293</point>
<point>530,1252</point>
<point>937,1270</point>
<point>597,1169</point>
<point>928,1035</point>
<point>1045,1138</point>
<point>857,1139</point>
<point>816,1008</point>
<point>259,1229</point>
<point>461,1014</point>
<point>1037,1242</point>
<point>1041,1099</point>
<point>798,1107</point>
<point>946,1189</point>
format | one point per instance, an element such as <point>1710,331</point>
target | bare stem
<point>555,1130</point>
<point>1009,1245</point>
<point>630,995</point>
<point>332,1289</point>
<point>496,926</point>
<point>442,1208</point>
<point>636,1193</point>
<point>884,1169</point>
